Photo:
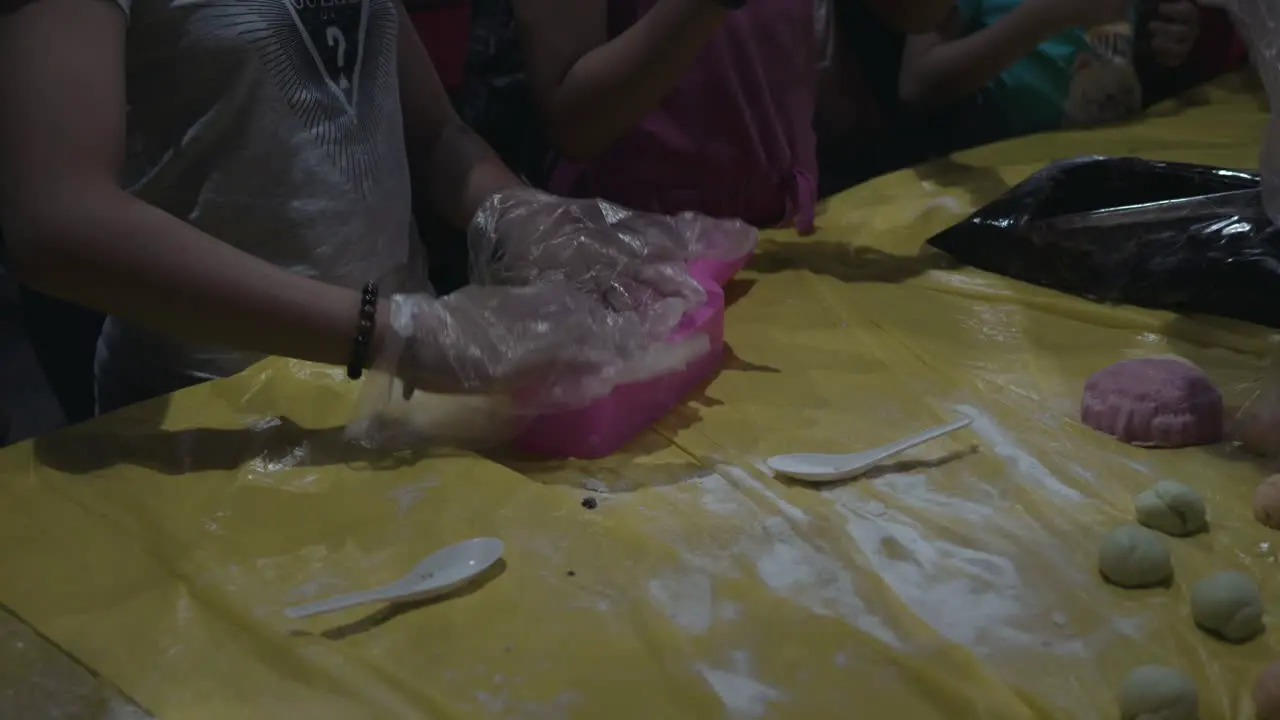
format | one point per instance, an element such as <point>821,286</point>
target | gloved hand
<point>631,259</point>
<point>548,345</point>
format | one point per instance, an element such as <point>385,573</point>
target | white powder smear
<point>685,600</point>
<point>1000,443</point>
<point>969,596</point>
<point>914,490</point>
<point>796,570</point>
<point>406,496</point>
<point>738,476</point>
<point>789,566</point>
<point>742,695</point>
<point>718,496</point>
<point>499,705</point>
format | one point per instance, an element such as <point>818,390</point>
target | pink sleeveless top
<point>734,138</point>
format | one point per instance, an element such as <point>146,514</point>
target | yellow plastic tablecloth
<point>158,546</point>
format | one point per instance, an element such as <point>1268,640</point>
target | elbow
<point>33,249</point>
<point>29,256</point>
<point>45,240</point>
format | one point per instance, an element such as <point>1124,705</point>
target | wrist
<point>414,345</point>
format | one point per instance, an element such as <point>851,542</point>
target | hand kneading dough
<point>1266,694</point>
<point>1228,605</point>
<point>1133,557</point>
<point>1152,692</point>
<point>1172,508</point>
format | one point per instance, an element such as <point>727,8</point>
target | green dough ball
<point>1228,604</point>
<point>1172,508</point>
<point>1133,557</point>
<point>1152,692</point>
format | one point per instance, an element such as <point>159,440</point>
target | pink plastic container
<point>718,272</point>
<point>604,426</point>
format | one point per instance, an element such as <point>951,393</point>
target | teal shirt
<point>1031,93</point>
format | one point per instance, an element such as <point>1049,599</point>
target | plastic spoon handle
<point>342,602</point>
<point>919,438</point>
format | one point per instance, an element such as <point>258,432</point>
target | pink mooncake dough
<point>1153,402</point>
<point>1266,693</point>
<point>1266,503</point>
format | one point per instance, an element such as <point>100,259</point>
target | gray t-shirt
<point>274,126</point>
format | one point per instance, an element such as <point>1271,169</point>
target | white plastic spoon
<point>814,467</point>
<point>441,571</point>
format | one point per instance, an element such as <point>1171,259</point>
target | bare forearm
<point>458,172</point>
<point>610,88</point>
<point>954,69</point>
<point>110,252</point>
<point>913,16</point>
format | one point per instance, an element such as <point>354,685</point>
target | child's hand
<point>1174,28</point>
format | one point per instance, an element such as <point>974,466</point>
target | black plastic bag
<point>1172,236</point>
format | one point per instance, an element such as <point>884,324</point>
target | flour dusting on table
<point>743,696</point>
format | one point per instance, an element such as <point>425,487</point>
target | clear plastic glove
<point>550,343</point>
<point>631,259</point>
<point>535,348</point>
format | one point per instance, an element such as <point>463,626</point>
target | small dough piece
<point>1228,605</point>
<point>1172,508</point>
<point>1134,557</point>
<point>1266,502</point>
<point>1266,693</point>
<point>1154,692</point>
<point>1153,402</point>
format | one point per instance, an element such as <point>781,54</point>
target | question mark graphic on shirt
<point>335,37</point>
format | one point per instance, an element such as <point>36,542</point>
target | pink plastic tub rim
<point>606,425</point>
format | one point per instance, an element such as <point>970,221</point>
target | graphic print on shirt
<point>334,33</point>
<point>333,62</point>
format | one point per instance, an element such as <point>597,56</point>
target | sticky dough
<point>1228,605</point>
<point>1266,502</point>
<point>1153,402</point>
<point>1153,692</point>
<point>1266,693</point>
<point>1171,508</point>
<point>1132,556</point>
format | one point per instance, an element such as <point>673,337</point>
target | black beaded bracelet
<point>364,331</point>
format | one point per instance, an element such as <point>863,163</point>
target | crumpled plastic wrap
<point>632,259</point>
<point>1173,236</point>
<point>569,299</point>
<point>511,352</point>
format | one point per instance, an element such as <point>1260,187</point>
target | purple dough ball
<point>1154,402</point>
